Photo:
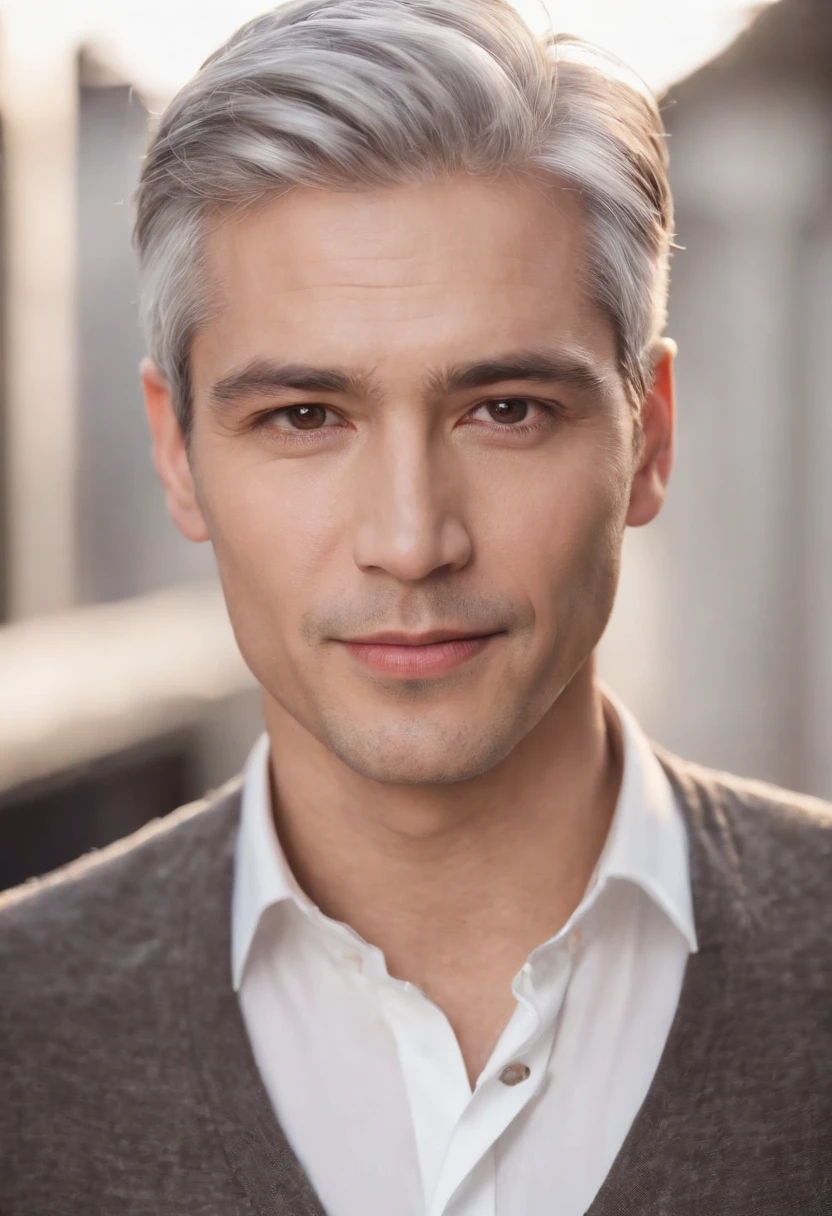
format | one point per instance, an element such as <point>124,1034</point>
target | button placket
<point>433,1072</point>
<point>492,1108</point>
<point>524,1057</point>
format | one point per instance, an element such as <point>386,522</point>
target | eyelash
<point>288,435</point>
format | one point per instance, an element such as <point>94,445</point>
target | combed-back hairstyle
<point>348,94</point>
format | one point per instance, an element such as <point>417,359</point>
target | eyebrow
<point>540,366</point>
<point>264,377</point>
<point>261,378</point>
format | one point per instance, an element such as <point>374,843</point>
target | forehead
<point>447,269</point>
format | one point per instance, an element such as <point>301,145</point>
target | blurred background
<point>122,693</point>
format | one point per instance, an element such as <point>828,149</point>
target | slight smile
<point>415,655</point>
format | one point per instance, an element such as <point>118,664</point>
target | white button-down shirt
<point>365,1073</point>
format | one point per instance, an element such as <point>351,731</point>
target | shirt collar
<point>261,872</point>
<point>646,844</point>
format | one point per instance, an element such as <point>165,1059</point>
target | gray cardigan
<point>127,1085</point>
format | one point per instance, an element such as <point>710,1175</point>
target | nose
<point>410,522</point>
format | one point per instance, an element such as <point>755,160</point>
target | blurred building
<point>722,640</point>
<point>122,694</point>
<point>121,690</point>
<point>127,544</point>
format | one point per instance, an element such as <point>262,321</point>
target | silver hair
<point>346,94</point>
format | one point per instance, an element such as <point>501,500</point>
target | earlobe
<point>170,454</point>
<point>649,485</point>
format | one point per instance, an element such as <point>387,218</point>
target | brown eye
<point>508,409</point>
<point>306,417</point>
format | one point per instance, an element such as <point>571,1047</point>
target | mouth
<point>418,655</point>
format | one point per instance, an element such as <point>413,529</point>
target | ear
<point>658,420</point>
<point>170,454</point>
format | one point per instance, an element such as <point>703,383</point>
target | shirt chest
<point>367,1079</point>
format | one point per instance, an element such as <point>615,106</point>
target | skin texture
<point>470,806</point>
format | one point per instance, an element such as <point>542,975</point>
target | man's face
<point>408,420</point>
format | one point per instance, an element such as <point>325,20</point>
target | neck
<point>456,884</point>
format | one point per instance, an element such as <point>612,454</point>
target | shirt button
<point>353,960</point>
<point>513,1074</point>
<point>574,940</point>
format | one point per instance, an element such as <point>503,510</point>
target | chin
<point>393,756</point>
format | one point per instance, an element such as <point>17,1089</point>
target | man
<point>459,941</point>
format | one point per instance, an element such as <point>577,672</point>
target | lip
<point>418,655</point>
<point>393,637</point>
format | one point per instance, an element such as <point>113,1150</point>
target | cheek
<point>274,527</point>
<point>270,549</point>
<point>557,525</point>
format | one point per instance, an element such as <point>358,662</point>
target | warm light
<point>158,44</point>
<point>661,40</point>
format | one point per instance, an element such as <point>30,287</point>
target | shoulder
<point>150,857</point>
<point>778,842</point>
<point>94,1028</point>
<point>757,808</point>
<point>91,925</point>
